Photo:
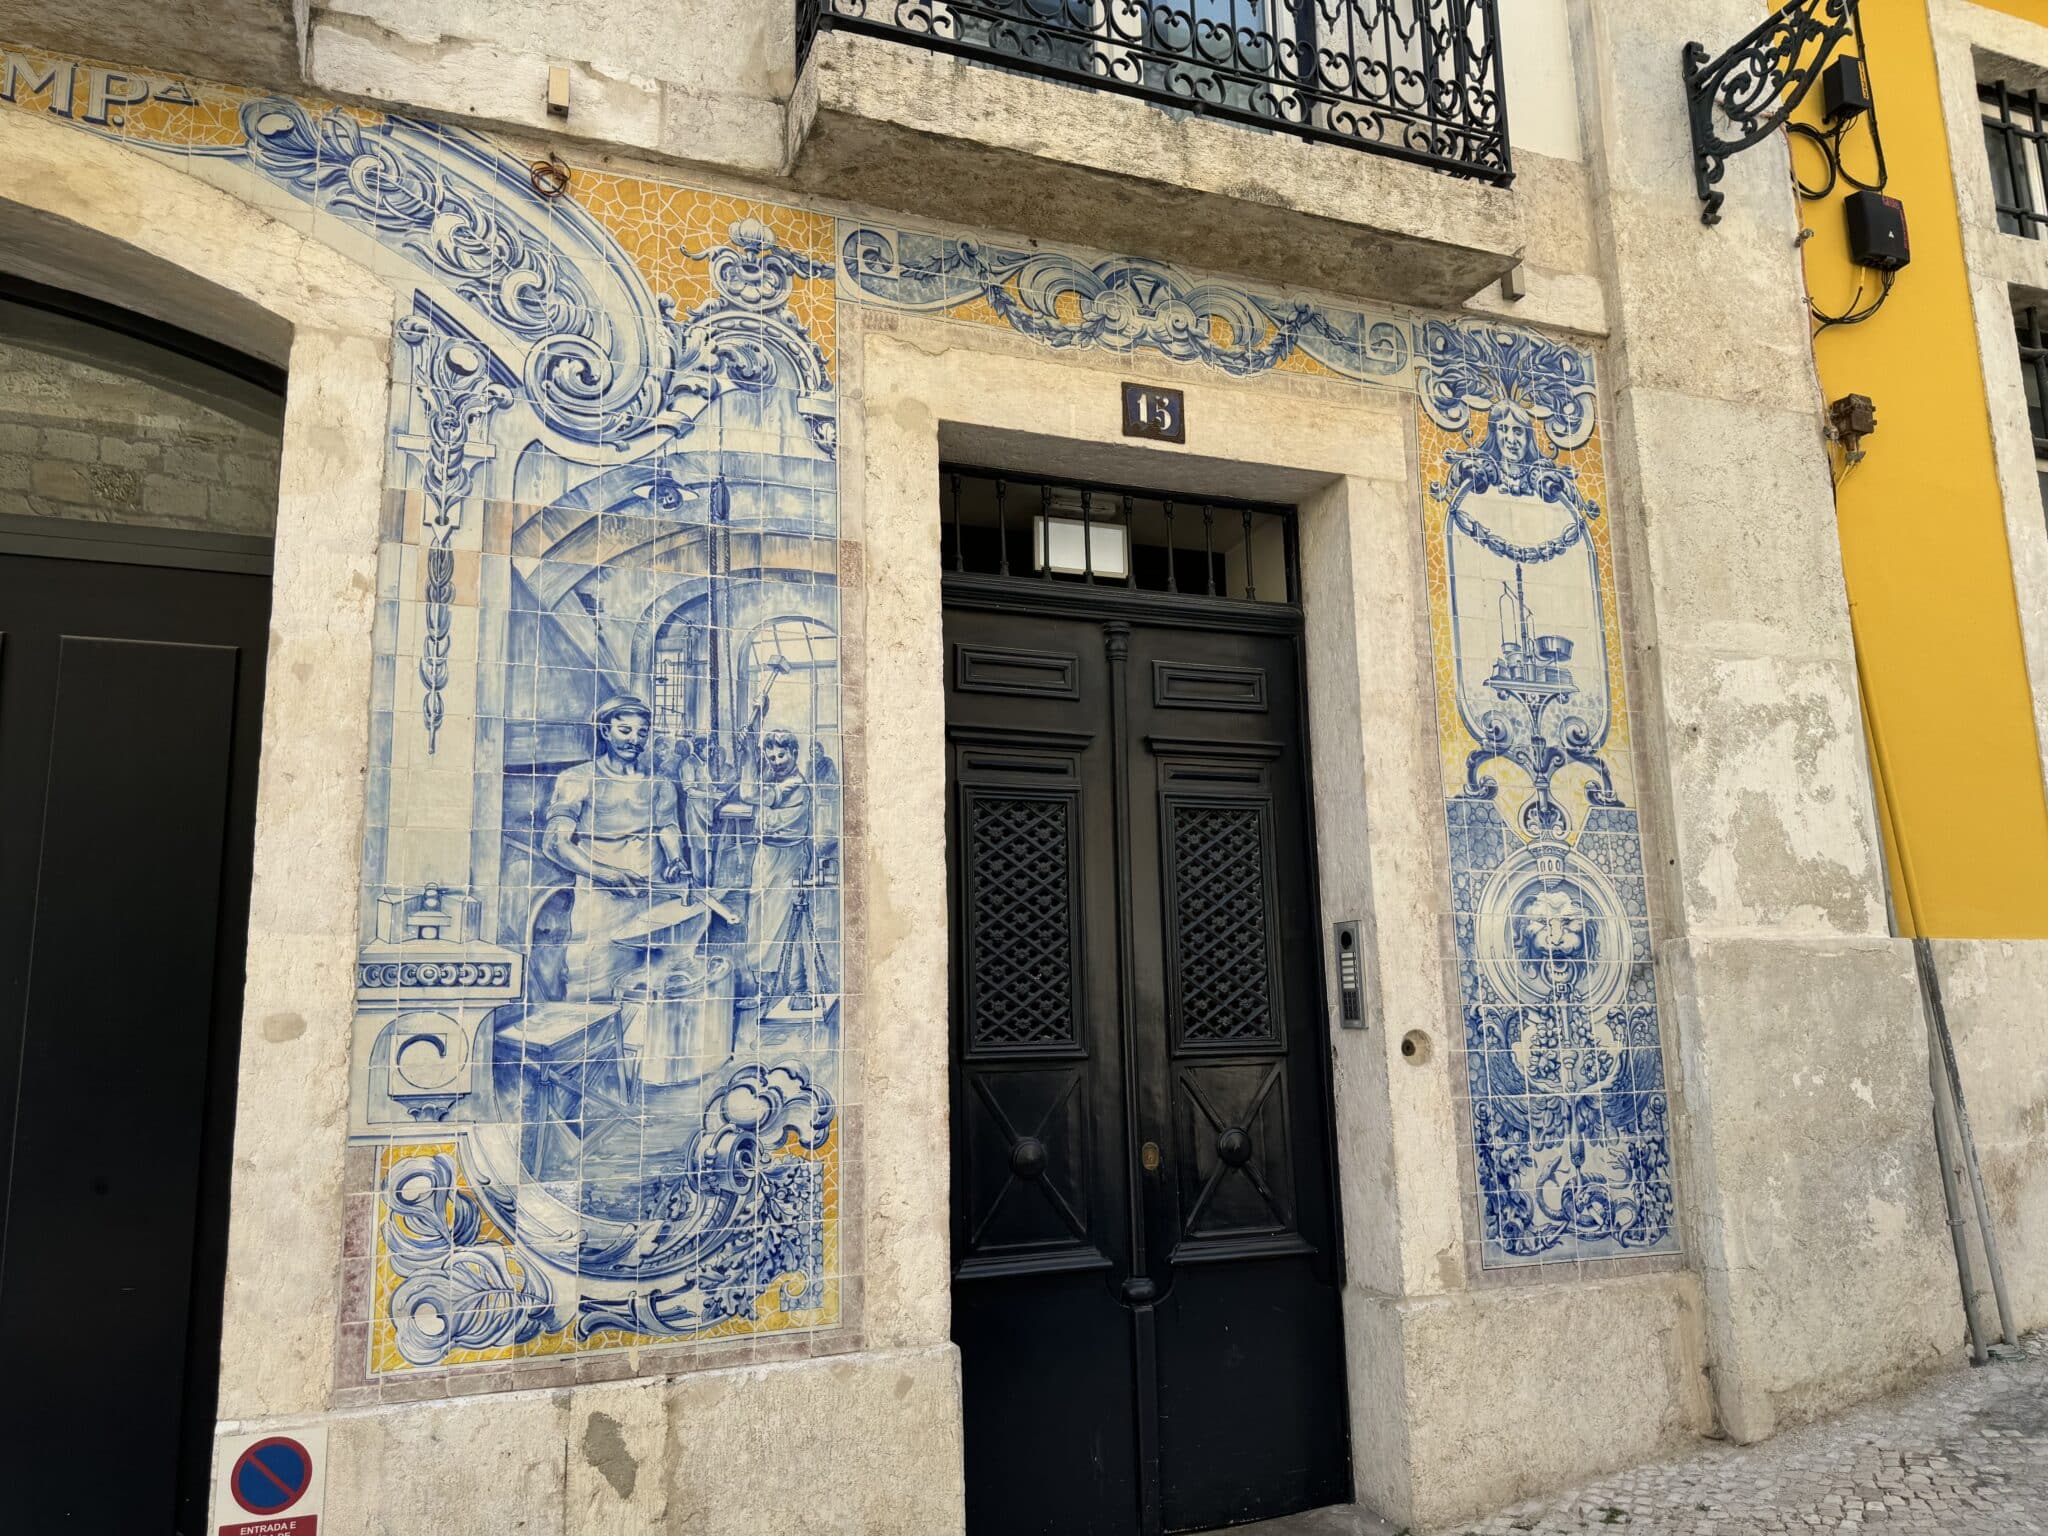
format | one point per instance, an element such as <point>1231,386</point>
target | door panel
<point>1145,1277</point>
<point>1040,1199</point>
<point>1252,1409</point>
<point>129,702</point>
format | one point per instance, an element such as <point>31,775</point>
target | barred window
<point>2032,325</point>
<point>2016,142</point>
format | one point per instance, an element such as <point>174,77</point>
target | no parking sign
<point>270,1485</point>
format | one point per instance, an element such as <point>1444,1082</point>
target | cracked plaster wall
<point>1810,1166</point>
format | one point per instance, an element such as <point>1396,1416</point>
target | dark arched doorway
<point>138,495</point>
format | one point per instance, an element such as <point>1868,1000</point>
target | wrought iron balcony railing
<point>1421,80</point>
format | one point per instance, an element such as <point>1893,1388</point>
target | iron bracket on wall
<point>1756,86</point>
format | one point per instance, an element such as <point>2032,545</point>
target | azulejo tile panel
<point>1563,1055</point>
<point>598,1025</point>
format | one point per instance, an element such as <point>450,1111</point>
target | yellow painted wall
<point>2026,10</point>
<point>1922,526</point>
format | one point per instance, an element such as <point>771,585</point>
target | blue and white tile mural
<point>605,857</point>
<point>598,1020</point>
<point>1563,1056</point>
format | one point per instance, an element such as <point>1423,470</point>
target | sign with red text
<point>271,1484</point>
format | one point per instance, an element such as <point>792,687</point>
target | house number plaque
<point>1160,414</point>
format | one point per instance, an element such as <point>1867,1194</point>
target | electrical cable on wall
<point>1877,231</point>
<point>1847,104</point>
<point>1853,315</point>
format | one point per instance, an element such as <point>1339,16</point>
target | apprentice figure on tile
<point>781,832</point>
<point>702,790</point>
<point>614,826</point>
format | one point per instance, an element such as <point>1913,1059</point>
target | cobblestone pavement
<point>1964,1454</point>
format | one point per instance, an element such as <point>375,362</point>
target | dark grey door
<point>130,706</point>
<point>1144,1239</point>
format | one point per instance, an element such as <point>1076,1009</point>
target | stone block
<point>1742,548</point>
<point>129,452</point>
<point>59,481</point>
<point>1771,809</point>
<point>1581,1377</point>
<point>1816,1196</point>
<point>191,462</point>
<point>461,1464</point>
<point>866,1443</point>
<point>171,500</point>
<point>1716,312</point>
<point>72,446</point>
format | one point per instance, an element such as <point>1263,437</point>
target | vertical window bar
<point>2037,190</point>
<point>1130,547</point>
<point>1002,526</point>
<point>1088,536</point>
<point>2022,182</point>
<point>1208,547</point>
<point>1251,591</point>
<point>2034,357</point>
<point>959,539</point>
<point>2034,363</point>
<point>1045,531</point>
<point>1172,584</point>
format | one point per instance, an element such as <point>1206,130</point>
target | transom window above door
<point>1032,528</point>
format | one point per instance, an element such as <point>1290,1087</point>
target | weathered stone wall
<point>83,437</point>
<point>1994,993</point>
<point>1803,1062</point>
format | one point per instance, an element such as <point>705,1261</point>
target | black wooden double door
<point>1145,1280</point>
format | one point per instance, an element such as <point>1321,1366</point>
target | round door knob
<point>1027,1158</point>
<point>1234,1147</point>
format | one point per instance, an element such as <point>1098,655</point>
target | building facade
<point>993,779</point>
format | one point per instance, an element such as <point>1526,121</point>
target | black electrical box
<point>1845,89</point>
<point>1877,231</point>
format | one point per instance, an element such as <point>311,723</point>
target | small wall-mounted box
<point>1845,89</point>
<point>1877,231</point>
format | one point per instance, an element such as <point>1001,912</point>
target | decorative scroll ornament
<point>1472,366</point>
<point>456,382</point>
<point>456,1290</point>
<point>745,338</point>
<point>603,361</point>
<point>1119,304</point>
<point>754,269</point>
<point>743,1214</point>
<point>1752,90</point>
